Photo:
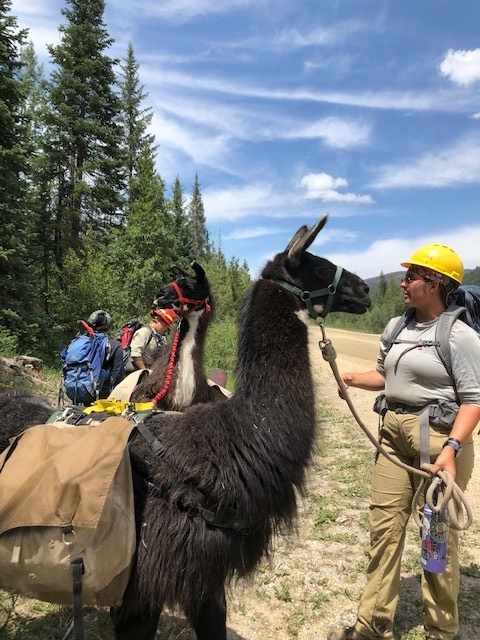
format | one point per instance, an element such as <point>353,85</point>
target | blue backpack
<point>83,360</point>
<point>464,304</point>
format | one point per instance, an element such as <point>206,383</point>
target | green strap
<point>307,296</point>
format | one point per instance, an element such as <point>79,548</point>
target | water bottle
<point>434,540</point>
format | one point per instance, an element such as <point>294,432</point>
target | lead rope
<point>169,371</point>
<point>442,490</point>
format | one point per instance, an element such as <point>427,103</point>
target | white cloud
<point>387,255</point>
<point>241,202</point>
<point>252,232</point>
<point>450,100</point>
<point>179,11</point>
<point>323,187</point>
<point>343,236</point>
<point>459,164</point>
<point>204,148</point>
<point>290,39</point>
<point>462,67</point>
<point>42,21</point>
<point>336,132</point>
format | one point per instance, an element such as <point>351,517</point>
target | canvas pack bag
<point>66,506</point>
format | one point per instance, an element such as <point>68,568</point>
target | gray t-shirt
<point>417,376</point>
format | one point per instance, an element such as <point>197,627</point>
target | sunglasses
<point>408,278</point>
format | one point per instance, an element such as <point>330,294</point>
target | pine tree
<point>183,244</point>
<point>35,106</point>
<point>145,248</point>
<point>135,119</point>
<point>83,146</point>
<point>16,287</point>
<point>197,220</point>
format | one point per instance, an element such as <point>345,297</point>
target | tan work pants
<point>390,508</point>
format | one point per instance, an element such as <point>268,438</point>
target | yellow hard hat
<point>440,258</point>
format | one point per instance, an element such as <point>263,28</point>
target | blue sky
<point>366,109</point>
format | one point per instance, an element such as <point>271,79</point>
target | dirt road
<point>363,346</point>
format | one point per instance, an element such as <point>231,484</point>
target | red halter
<point>188,305</point>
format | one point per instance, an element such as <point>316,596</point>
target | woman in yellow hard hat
<point>415,380</point>
<point>441,264</point>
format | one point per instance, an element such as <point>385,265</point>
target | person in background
<point>413,377</point>
<point>149,338</point>
<point>101,322</point>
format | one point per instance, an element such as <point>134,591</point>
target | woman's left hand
<point>446,462</point>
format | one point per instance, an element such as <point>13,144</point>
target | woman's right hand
<point>347,379</point>
<point>370,380</point>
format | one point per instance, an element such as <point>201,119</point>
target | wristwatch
<point>454,443</point>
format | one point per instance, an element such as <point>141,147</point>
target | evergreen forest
<point>86,221</point>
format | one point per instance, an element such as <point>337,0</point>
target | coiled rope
<point>438,491</point>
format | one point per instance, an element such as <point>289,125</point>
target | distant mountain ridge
<point>472,276</point>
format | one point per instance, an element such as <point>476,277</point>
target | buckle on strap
<point>307,296</point>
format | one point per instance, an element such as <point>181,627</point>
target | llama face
<point>310,273</point>
<point>186,294</point>
<point>351,294</point>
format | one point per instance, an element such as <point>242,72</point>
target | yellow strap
<point>116,407</point>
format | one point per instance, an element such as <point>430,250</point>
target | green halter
<point>306,296</point>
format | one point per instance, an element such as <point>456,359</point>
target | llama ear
<point>303,239</point>
<point>200,272</point>
<point>176,269</point>
<point>300,233</point>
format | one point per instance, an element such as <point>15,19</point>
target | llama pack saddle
<point>67,512</point>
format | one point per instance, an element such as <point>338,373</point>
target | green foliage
<point>93,228</point>
<point>228,281</point>
<point>8,343</point>
<point>17,282</point>
<point>472,277</point>
<point>183,245</point>
<point>196,213</point>
<point>221,347</point>
<point>134,119</point>
<point>82,149</point>
<point>387,302</point>
<point>142,251</point>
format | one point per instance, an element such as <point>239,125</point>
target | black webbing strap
<point>155,445</point>
<point>77,573</point>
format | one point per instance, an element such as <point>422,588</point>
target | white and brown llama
<point>177,378</point>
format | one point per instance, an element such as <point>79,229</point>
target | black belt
<point>400,407</point>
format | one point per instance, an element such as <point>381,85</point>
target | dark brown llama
<point>20,409</point>
<point>177,379</point>
<point>230,472</point>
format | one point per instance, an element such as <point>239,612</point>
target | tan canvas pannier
<point>66,494</point>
